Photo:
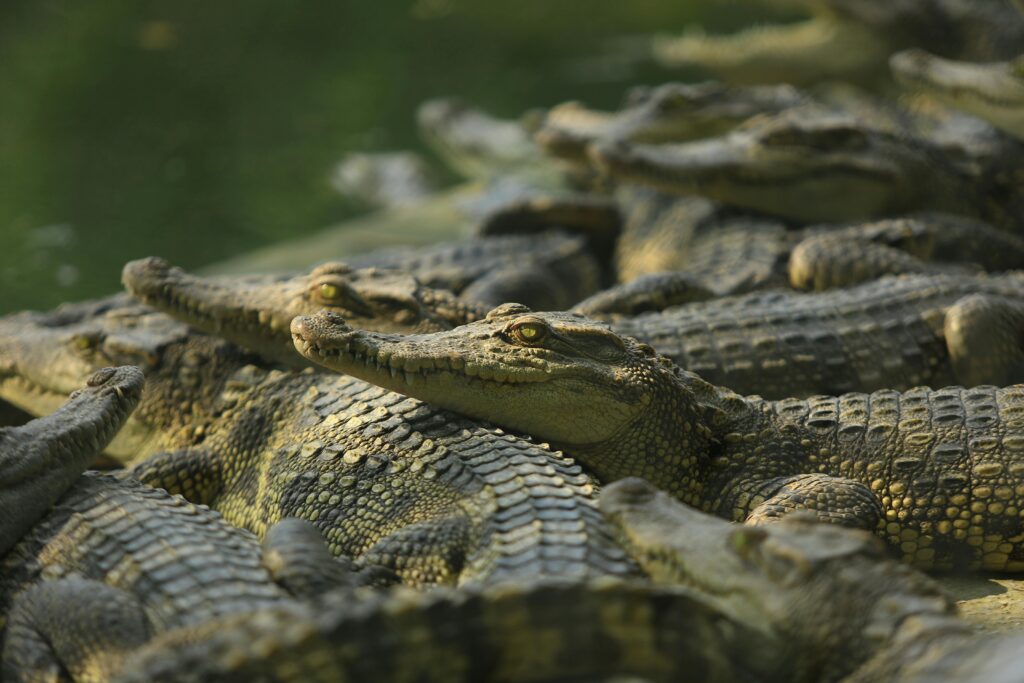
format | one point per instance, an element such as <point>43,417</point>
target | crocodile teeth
<point>394,372</point>
<point>409,378</point>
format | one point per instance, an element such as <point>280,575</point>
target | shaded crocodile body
<point>896,332</point>
<point>553,269</point>
<point>729,252</point>
<point>811,165</point>
<point>534,631</point>
<point>839,608</point>
<point>933,471</point>
<point>92,566</point>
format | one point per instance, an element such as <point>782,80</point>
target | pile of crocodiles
<point>720,378</point>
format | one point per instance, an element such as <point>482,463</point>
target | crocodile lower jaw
<point>361,360</point>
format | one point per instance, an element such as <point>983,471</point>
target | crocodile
<point>533,631</point>
<point>725,251</point>
<point>476,144</point>
<point>387,480</point>
<point>552,269</point>
<point>672,112</point>
<point>897,332</point>
<point>44,356</point>
<point>992,91</point>
<point>838,606</point>
<point>91,566</point>
<point>848,40</point>
<point>384,179</point>
<point>932,471</point>
<point>825,166</point>
<point>255,312</point>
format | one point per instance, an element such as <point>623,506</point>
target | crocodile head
<point>674,112</point>
<point>41,459</point>
<point>609,401</point>
<point>821,589</point>
<point>994,91</point>
<point>835,40</point>
<point>472,142</point>
<point>255,312</point>
<point>804,164</point>
<point>44,357</point>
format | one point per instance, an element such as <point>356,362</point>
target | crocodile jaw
<point>732,170</point>
<point>819,48</point>
<point>455,371</point>
<point>994,92</point>
<point>256,312</point>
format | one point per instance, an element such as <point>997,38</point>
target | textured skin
<point>849,40</point>
<point>113,551</point>
<point>255,312</point>
<point>553,270</point>
<point>730,253</point>
<point>390,481</point>
<point>673,112</point>
<point>891,333</point>
<point>387,480</point>
<point>41,459</point>
<point>992,91</point>
<point>91,566</point>
<point>831,597</point>
<point>813,165</point>
<point>46,356</point>
<point>934,472</point>
<point>522,632</point>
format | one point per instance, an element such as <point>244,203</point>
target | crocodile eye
<point>329,292</point>
<point>86,342</point>
<point>529,332</point>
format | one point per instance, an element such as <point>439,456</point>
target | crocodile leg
<point>72,629</point>
<point>192,473</point>
<point>298,560</point>
<point>835,500</point>
<point>425,553</point>
<point>984,336</point>
<point>820,263</point>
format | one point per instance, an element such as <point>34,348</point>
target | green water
<point>199,130</point>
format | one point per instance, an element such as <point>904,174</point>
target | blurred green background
<point>198,130</point>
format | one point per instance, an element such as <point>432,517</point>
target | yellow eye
<point>84,342</point>
<point>329,291</point>
<point>530,332</point>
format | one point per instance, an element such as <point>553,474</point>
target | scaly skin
<point>727,252</point>
<point>933,471</point>
<point>813,166</point>
<point>895,333</point>
<point>673,112</point>
<point>46,356</point>
<point>255,312</point>
<point>524,632</point>
<point>992,91</point>
<point>837,605</point>
<point>552,269</point>
<point>40,460</point>
<point>91,567</point>
<point>390,481</point>
<point>849,40</point>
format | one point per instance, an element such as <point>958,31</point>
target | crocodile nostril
<point>101,377</point>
